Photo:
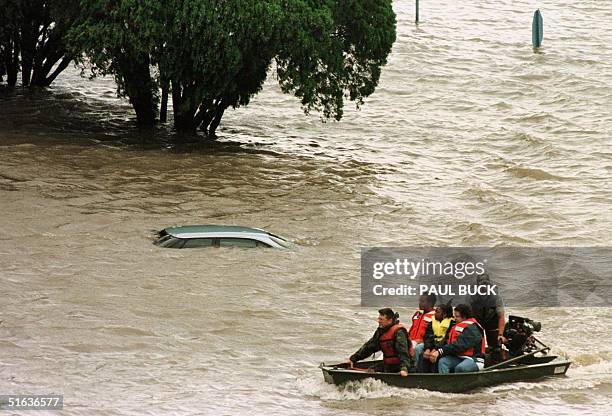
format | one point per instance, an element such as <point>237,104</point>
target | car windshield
<point>161,240</point>
<point>169,242</point>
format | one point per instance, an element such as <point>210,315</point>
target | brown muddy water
<point>470,139</point>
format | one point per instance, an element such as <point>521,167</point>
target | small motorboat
<point>532,368</point>
<point>528,363</point>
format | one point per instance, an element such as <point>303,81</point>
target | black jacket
<point>429,340</point>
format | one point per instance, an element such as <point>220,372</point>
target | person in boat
<point>489,311</point>
<point>391,337</point>
<point>465,345</point>
<point>434,337</point>
<point>420,320</point>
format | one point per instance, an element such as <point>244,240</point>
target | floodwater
<point>470,139</point>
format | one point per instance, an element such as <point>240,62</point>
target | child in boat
<point>434,336</point>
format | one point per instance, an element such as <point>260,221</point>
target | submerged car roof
<point>193,229</point>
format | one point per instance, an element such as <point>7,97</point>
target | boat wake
<point>581,378</point>
<point>315,386</point>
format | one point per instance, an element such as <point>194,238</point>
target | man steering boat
<point>391,337</point>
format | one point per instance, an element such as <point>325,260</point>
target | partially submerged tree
<point>32,39</point>
<point>46,55</point>
<point>218,57</point>
<point>10,40</point>
<point>118,37</point>
<point>215,54</point>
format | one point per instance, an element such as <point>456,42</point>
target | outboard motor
<point>519,333</point>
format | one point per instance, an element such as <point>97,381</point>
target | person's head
<point>483,279</point>
<point>443,311</point>
<point>427,302</point>
<point>386,317</point>
<point>462,312</point>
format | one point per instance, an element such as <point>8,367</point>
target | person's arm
<point>367,349</point>
<point>501,322</point>
<point>501,319</point>
<point>447,333</point>
<point>420,333</point>
<point>470,338</point>
<point>429,340</point>
<point>402,341</point>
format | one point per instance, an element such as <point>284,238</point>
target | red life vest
<point>420,321</point>
<point>387,344</point>
<point>457,330</point>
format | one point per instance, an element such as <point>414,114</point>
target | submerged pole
<point>537,29</point>
<point>416,19</point>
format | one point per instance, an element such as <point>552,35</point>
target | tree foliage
<point>209,55</point>
<point>215,54</point>
<point>333,50</point>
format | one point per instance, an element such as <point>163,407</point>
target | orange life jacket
<point>457,330</point>
<point>420,321</point>
<point>387,344</point>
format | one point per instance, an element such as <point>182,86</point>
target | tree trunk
<point>46,58</point>
<point>2,62</point>
<point>12,59</point>
<point>139,87</point>
<point>11,72</point>
<point>184,108</point>
<point>212,128</point>
<point>50,57</point>
<point>42,52</point>
<point>145,114</point>
<point>212,116</point>
<point>62,65</point>
<point>28,50</point>
<point>206,114</point>
<point>177,104</point>
<point>203,116</point>
<point>163,109</point>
